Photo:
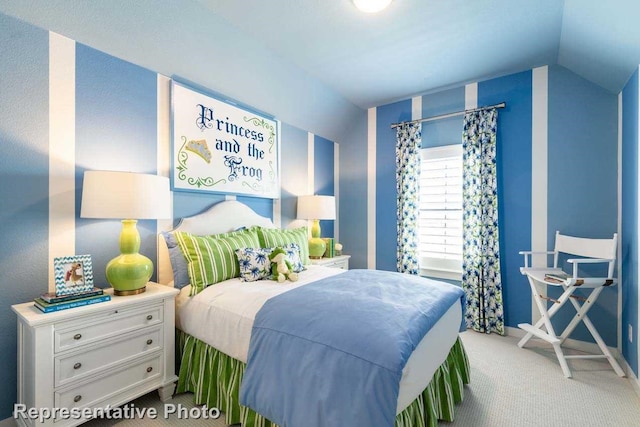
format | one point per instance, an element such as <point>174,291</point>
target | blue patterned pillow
<point>254,263</point>
<point>293,254</point>
<point>178,261</point>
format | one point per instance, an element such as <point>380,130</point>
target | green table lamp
<point>127,196</point>
<point>316,208</point>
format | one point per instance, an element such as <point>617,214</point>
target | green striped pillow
<point>271,237</point>
<point>212,259</point>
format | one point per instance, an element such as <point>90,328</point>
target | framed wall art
<point>222,148</point>
<point>73,274</point>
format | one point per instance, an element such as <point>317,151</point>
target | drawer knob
<point>149,342</point>
<point>149,369</point>
<point>77,337</point>
<point>149,317</point>
<point>77,399</point>
<point>77,365</point>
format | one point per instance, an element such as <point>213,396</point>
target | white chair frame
<point>593,251</point>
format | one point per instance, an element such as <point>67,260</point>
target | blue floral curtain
<point>480,249</point>
<point>408,189</point>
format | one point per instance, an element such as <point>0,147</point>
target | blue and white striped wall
<point>66,108</point>
<point>557,170</point>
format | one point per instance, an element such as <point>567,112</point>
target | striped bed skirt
<point>214,378</point>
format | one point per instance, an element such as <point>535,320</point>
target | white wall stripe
<point>416,108</point>
<point>471,96</point>
<point>371,188</point>
<point>277,213</point>
<point>311,173</point>
<point>62,149</point>
<point>277,205</point>
<point>336,189</point>
<point>619,253</point>
<point>164,126</point>
<point>163,132</point>
<point>230,197</point>
<point>539,171</point>
<point>310,163</point>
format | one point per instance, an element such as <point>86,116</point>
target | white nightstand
<point>97,355</point>
<point>340,261</point>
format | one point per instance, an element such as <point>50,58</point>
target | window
<point>441,212</point>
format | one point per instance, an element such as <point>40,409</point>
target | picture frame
<point>73,274</point>
<point>222,147</point>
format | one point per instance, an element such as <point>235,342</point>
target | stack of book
<point>330,250</point>
<point>51,302</point>
<point>560,277</point>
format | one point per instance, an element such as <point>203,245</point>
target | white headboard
<point>220,218</point>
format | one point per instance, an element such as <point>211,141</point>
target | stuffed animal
<point>281,268</point>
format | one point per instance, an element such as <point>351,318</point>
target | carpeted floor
<point>510,387</point>
<point>513,387</point>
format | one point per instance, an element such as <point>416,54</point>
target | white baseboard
<point>587,347</point>
<point>635,383</point>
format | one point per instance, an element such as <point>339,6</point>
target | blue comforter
<point>331,353</point>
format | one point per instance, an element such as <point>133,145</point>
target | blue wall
<point>514,186</point>
<point>582,121</point>
<point>629,233</point>
<point>188,39</point>
<point>116,128</point>
<point>24,173</point>
<point>324,180</point>
<point>386,216</point>
<point>583,164</point>
<point>445,131</point>
<point>354,188</point>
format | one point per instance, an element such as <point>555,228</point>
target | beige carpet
<point>510,387</point>
<point>525,387</point>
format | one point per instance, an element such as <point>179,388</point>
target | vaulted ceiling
<point>316,64</point>
<point>417,46</point>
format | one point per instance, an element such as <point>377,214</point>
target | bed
<point>214,338</point>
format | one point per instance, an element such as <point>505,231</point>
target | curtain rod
<point>444,116</point>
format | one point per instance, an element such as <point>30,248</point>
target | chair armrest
<point>525,253</point>
<point>588,260</point>
<point>577,261</point>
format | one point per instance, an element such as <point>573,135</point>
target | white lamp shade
<point>125,195</point>
<point>371,6</point>
<point>316,207</point>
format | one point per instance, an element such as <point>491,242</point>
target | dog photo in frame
<point>73,274</point>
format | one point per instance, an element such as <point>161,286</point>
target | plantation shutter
<point>441,211</point>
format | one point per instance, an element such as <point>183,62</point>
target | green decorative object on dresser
<point>111,194</point>
<point>317,246</point>
<point>316,208</point>
<point>129,271</point>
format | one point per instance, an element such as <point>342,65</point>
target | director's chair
<point>591,251</point>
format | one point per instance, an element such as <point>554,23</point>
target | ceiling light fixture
<point>371,6</point>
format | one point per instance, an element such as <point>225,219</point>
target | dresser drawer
<point>73,334</point>
<point>98,356</point>
<point>93,392</point>
<point>112,354</point>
